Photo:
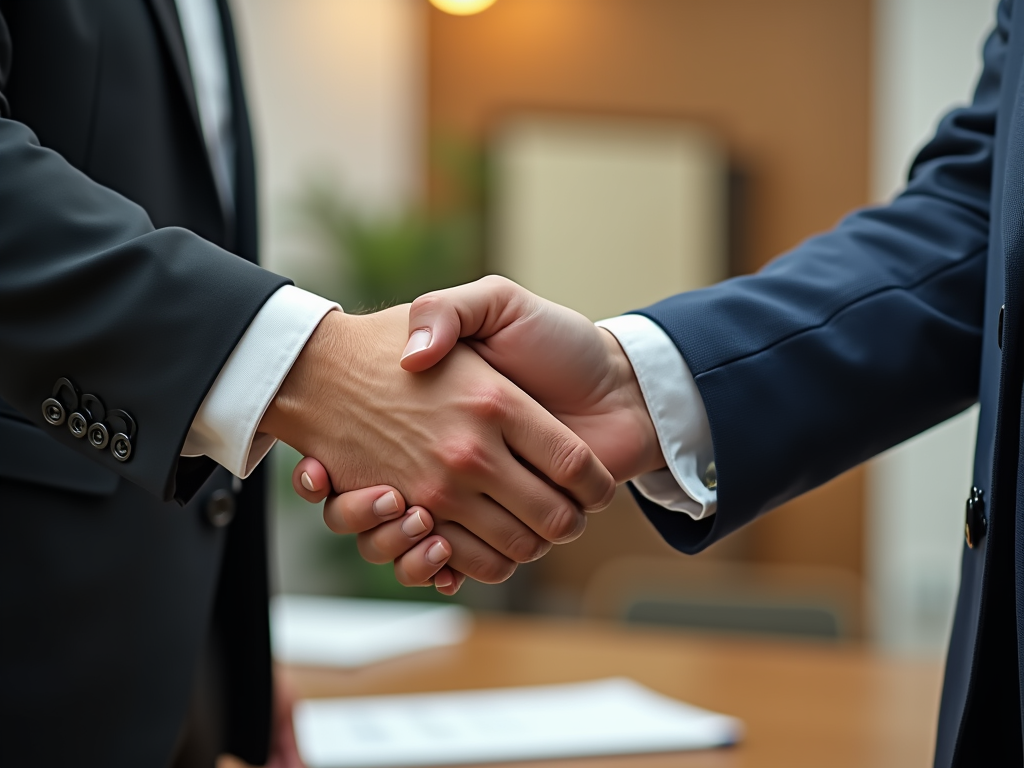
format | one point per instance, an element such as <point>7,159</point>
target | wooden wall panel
<point>784,83</point>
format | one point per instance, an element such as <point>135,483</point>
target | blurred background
<point>607,153</point>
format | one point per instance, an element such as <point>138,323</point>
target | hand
<point>567,364</point>
<point>384,529</point>
<point>444,438</point>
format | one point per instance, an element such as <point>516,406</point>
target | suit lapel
<point>166,14</point>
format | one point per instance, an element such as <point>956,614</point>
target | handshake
<point>505,420</point>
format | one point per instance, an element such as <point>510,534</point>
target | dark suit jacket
<point>118,271</point>
<point>869,334</point>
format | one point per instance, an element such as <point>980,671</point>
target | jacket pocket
<point>29,455</point>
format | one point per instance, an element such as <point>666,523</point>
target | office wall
<point>336,92</point>
<point>926,59</point>
<point>786,87</point>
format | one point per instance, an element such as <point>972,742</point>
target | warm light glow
<point>462,7</point>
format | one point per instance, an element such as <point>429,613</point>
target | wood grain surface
<point>803,703</point>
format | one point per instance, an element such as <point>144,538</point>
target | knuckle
<point>463,455</point>
<point>369,551</point>
<point>496,282</point>
<point>425,303</point>
<point>565,523</point>
<point>526,546</point>
<point>334,518</point>
<point>490,403</point>
<point>406,579</point>
<point>571,459</point>
<point>351,520</point>
<point>489,568</point>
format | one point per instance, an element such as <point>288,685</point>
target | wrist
<point>289,410</point>
<point>645,454</point>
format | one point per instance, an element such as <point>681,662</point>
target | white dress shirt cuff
<point>225,426</point>
<point>679,417</point>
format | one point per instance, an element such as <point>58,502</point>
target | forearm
<point>851,344</point>
<point>142,318</point>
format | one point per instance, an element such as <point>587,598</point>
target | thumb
<point>439,319</point>
<point>310,480</point>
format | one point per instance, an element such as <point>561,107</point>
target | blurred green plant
<point>381,260</point>
<point>387,259</point>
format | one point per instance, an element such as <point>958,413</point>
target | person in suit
<point>722,403</point>
<point>148,364</point>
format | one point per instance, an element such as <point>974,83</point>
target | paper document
<point>604,717</point>
<point>346,632</point>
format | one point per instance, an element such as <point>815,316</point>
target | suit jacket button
<point>977,524</point>
<point>121,447</point>
<point>711,477</point>
<point>53,411</point>
<point>124,432</point>
<point>220,508</point>
<point>64,398</point>
<point>78,424</point>
<point>99,435</point>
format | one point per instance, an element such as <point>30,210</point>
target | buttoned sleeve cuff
<point>225,426</point>
<point>679,417</point>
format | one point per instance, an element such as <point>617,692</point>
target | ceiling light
<point>462,7</point>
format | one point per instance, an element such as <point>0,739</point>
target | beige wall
<point>336,91</point>
<point>607,215</point>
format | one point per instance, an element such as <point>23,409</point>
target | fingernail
<point>385,505</point>
<point>414,525</point>
<point>443,579</point>
<point>418,341</point>
<point>437,553</point>
<point>307,483</point>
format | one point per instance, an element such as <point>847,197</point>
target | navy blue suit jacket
<point>866,335</point>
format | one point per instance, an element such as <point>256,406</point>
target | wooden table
<point>804,703</point>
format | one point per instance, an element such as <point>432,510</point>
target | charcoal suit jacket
<point>120,275</point>
<point>868,334</point>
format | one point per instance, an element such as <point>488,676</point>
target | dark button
<point>53,411</point>
<point>999,326</point>
<point>77,424</point>
<point>99,435</point>
<point>977,524</point>
<point>121,447</point>
<point>220,508</point>
<point>711,477</point>
<point>63,398</point>
<point>121,442</point>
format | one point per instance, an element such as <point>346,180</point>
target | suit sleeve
<point>142,318</point>
<point>854,341</point>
